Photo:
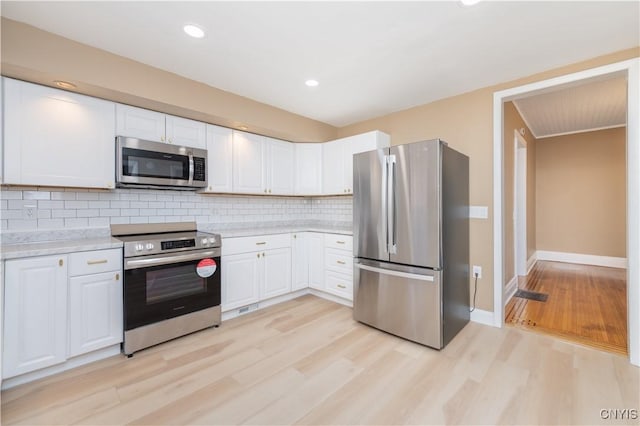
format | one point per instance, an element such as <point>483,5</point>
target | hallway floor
<point>586,304</point>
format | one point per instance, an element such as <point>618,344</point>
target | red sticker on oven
<point>206,268</point>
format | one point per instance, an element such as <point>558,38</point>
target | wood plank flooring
<point>307,362</point>
<point>586,304</point>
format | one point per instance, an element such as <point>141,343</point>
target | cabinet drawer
<point>94,262</point>
<point>339,284</point>
<point>257,243</point>
<point>338,260</point>
<point>341,242</point>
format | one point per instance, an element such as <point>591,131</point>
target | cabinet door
<point>185,132</point>
<point>277,273</point>
<point>35,314</point>
<point>57,138</point>
<point>308,176</point>
<point>219,159</point>
<point>316,260</point>
<point>248,160</point>
<point>333,168</point>
<point>140,123</point>
<point>300,261</point>
<point>240,280</point>
<point>280,166</point>
<point>95,312</point>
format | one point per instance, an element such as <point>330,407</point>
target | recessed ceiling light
<point>64,84</point>
<point>470,2</point>
<point>193,31</point>
<point>311,83</point>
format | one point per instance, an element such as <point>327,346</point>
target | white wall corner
<point>510,289</point>
<point>531,262</point>
<point>582,259</point>
<point>483,317</point>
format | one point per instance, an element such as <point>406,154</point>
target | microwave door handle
<point>191,167</point>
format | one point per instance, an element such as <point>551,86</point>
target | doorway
<point>631,72</point>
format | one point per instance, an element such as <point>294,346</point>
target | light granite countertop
<point>42,243</point>
<point>14,251</point>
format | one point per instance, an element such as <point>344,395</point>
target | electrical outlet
<point>477,270</point>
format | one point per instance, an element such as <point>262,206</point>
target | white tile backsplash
<point>61,208</point>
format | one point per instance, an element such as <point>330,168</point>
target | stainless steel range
<point>171,282</point>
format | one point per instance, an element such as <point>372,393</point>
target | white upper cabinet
<point>185,132</point>
<point>155,126</point>
<point>333,159</point>
<point>337,160</point>
<point>219,159</point>
<point>262,165</point>
<point>279,166</point>
<point>57,138</point>
<point>308,167</point>
<point>140,123</point>
<point>248,163</point>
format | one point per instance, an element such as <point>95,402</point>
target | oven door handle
<point>166,260</point>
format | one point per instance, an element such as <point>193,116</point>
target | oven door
<point>165,286</point>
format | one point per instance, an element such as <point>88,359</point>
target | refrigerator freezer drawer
<point>405,301</point>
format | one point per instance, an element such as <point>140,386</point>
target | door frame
<point>631,70</point>
<point>519,205</point>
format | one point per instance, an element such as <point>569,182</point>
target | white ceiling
<point>371,58</point>
<point>590,106</point>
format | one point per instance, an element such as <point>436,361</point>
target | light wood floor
<point>307,362</point>
<point>586,304</point>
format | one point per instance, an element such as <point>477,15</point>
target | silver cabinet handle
<point>340,262</point>
<point>342,286</point>
<point>340,242</point>
<point>261,243</point>
<point>96,262</point>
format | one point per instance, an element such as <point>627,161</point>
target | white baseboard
<point>233,313</point>
<point>510,289</point>
<point>583,259</point>
<point>531,262</point>
<point>331,297</point>
<point>482,317</point>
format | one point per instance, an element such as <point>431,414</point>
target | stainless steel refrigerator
<point>411,241</point>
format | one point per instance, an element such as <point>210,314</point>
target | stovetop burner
<point>148,239</point>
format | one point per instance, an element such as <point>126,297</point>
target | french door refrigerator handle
<point>385,207</point>
<point>391,223</point>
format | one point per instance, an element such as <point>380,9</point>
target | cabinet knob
<point>161,138</point>
<point>265,191</point>
<point>60,262</point>
<point>295,236</point>
<point>117,277</point>
<point>258,255</point>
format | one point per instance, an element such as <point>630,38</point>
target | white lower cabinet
<point>338,264</point>
<point>35,314</point>
<point>277,273</point>
<point>240,280</point>
<point>95,312</point>
<point>316,260</point>
<point>255,269</point>
<point>300,260</point>
<point>58,307</point>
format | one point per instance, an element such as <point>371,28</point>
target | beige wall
<point>513,121</point>
<point>581,193</point>
<point>34,55</point>
<point>465,121</point>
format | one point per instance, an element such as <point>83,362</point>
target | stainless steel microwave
<point>142,163</point>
